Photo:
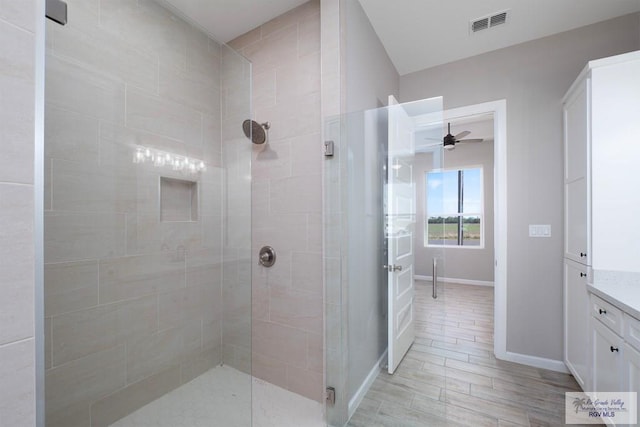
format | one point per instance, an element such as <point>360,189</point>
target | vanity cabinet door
<point>607,353</point>
<point>576,322</point>
<point>632,371</point>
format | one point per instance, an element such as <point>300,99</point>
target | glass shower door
<point>147,221</point>
<point>370,299</point>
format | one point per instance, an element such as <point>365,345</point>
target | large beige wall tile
<point>153,114</point>
<point>147,26</point>
<point>70,287</point>
<point>280,342</point>
<point>83,187</point>
<point>305,382</point>
<point>78,236</point>
<point>306,151</point>
<point>76,88</point>
<point>269,369</point>
<point>115,406</point>
<point>100,51</point>
<point>190,89</point>
<point>153,354</point>
<point>71,136</point>
<point>81,333</point>
<point>296,308</point>
<point>16,263</point>
<point>292,195</point>
<point>20,13</point>
<point>282,231</point>
<point>17,376</point>
<point>307,271</point>
<point>84,380</point>
<point>130,277</point>
<point>309,33</point>
<point>197,366</point>
<point>17,64</point>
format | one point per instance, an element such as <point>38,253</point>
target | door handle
<point>391,268</point>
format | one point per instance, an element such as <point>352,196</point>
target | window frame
<point>457,214</point>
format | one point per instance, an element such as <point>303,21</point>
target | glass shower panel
<point>356,184</point>
<point>147,212</point>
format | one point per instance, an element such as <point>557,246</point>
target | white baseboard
<point>535,361</point>
<point>454,280</point>
<point>355,401</point>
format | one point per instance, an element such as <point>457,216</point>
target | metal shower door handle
<point>434,292</point>
<point>392,268</point>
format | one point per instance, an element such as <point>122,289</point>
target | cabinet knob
<point>582,255</point>
<point>602,311</point>
<point>583,274</point>
<point>614,349</point>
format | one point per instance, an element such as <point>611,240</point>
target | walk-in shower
<point>147,238</point>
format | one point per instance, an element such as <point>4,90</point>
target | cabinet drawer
<point>632,331</point>
<point>607,314</point>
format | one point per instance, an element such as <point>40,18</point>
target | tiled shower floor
<point>221,397</point>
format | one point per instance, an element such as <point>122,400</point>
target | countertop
<point>622,289</point>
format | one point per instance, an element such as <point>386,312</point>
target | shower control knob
<point>267,256</point>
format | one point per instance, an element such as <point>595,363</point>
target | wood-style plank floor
<point>450,376</point>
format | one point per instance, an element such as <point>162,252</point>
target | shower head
<point>256,132</point>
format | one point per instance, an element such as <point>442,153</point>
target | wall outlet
<point>540,230</point>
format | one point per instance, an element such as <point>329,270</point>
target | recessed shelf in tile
<point>178,200</point>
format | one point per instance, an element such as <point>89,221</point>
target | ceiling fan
<point>449,141</point>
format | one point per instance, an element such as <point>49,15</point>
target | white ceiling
<point>419,34</point>
<point>227,19</point>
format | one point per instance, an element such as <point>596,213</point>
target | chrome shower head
<point>256,132</point>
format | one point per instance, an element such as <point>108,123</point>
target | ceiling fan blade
<point>462,134</point>
<point>470,140</point>
<point>433,139</point>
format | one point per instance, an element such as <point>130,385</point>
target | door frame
<point>499,110</point>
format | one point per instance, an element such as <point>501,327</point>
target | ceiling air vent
<point>488,21</point>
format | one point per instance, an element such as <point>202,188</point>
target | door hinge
<point>331,396</point>
<point>56,10</point>
<point>328,148</point>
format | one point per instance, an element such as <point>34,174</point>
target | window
<point>454,211</point>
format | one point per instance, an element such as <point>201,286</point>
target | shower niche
<point>178,200</point>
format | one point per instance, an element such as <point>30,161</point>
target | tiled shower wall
<point>134,304</point>
<point>17,106</point>
<point>287,200</point>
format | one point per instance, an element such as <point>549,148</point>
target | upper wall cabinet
<point>602,158</point>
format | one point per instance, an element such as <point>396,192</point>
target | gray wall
<point>17,106</point>
<point>370,79</point>
<point>459,263</point>
<point>532,77</point>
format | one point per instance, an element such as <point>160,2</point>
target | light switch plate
<point>537,230</point>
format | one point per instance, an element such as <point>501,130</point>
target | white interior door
<point>400,214</point>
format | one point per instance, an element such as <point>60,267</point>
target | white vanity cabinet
<point>631,356</point>
<point>607,347</point>
<point>600,112</point>
<point>615,350</point>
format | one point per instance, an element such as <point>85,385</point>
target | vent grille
<point>488,21</point>
<point>480,24</point>
<point>500,18</point>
